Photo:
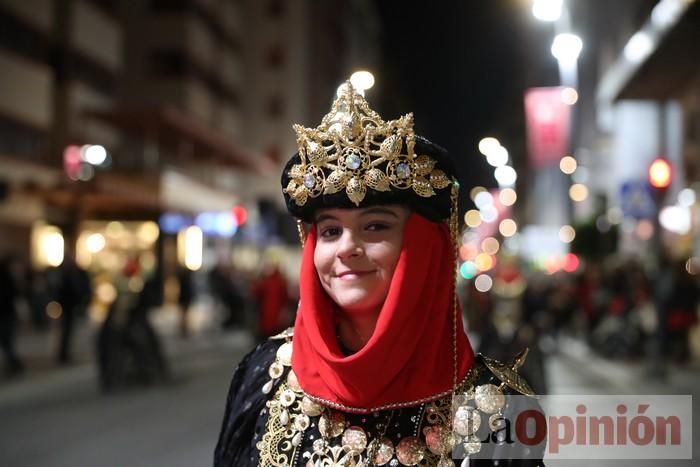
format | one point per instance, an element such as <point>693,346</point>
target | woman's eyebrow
<point>379,210</point>
<point>325,217</point>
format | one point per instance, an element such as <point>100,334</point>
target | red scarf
<point>409,358</point>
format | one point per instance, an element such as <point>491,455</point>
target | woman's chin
<point>357,303</point>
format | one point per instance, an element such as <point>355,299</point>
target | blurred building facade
<point>637,88</point>
<point>192,101</point>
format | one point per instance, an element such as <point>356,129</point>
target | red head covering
<point>410,357</point>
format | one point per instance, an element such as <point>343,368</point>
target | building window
<point>18,139</point>
<point>275,107</point>
<point>168,62</point>
<point>275,8</point>
<point>23,40</point>
<point>170,5</point>
<point>275,57</point>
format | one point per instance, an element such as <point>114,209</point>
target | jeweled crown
<point>354,150</point>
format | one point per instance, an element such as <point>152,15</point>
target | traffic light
<point>660,173</point>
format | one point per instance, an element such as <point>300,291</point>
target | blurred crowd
<point>127,346</point>
<point>615,306</point>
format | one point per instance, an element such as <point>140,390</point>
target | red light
<point>71,161</point>
<point>660,173</point>
<point>240,214</point>
<point>571,262</point>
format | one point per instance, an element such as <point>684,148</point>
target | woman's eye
<point>377,226</point>
<point>330,232</point>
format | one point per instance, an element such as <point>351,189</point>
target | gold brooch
<point>354,149</point>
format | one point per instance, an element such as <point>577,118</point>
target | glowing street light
<point>488,145</point>
<point>505,176</point>
<point>547,10</point>
<point>362,80</point>
<point>497,157</point>
<point>566,48</point>
<point>568,165</point>
<point>638,47</point>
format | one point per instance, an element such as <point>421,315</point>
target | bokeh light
<point>488,144</point>
<point>472,218</point>
<point>490,245</point>
<point>468,270</point>
<point>475,191</point>
<point>507,196</point>
<point>505,176</point>
<point>571,263</point>
<point>483,283</point>
<point>483,199</point>
<point>484,262</point>
<point>54,310</point>
<point>497,157</point>
<point>362,80</point>
<point>467,252</point>
<point>578,192</point>
<point>567,234</point>
<point>686,197</point>
<point>508,227</point>
<point>644,229</point>
<point>489,214</point>
<point>568,165</point>
<point>95,243</point>
<point>693,265</point>
<point>569,96</point>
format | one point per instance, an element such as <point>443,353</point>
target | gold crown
<point>353,149</point>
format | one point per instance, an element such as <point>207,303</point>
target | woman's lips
<point>353,275</point>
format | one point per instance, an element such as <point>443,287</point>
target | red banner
<point>548,119</point>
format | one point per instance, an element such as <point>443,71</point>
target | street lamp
<point>566,48</point>
<point>362,80</point>
<point>547,10</point>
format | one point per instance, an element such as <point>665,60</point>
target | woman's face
<point>356,254</point>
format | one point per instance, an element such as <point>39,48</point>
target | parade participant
<point>377,358</point>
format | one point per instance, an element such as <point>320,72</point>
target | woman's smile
<point>356,254</point>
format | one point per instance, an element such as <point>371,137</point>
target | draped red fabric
<point>410,356</point>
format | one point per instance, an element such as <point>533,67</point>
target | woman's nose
<point>349,245</point>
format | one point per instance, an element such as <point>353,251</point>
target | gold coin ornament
<point>284,354</point>
<point>354,440</point>
<point>276,370</point>
<point>489,398</point>
<point>410,451</point>
<point>384,451</point>
<point>331,424</point>
<point>310,408</point>
<point>438,439</point>
<point>293,382</point>
<point>287,397</point>
<point>301,422</point>
<point>472,444</point>
<point>467,421</point>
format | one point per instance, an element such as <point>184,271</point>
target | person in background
<point>73,293</point>
<point>8,318</point>
<point>270,292</point>
<point>184,299</point>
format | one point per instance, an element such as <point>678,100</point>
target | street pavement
<point>55,417</point>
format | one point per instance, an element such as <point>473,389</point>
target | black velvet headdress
<point>355,159</point>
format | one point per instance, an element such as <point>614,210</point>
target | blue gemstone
<point>353,161</point>
<point>403,170</point>
<point>309,181</point>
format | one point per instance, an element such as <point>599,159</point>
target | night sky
<point>462,67</point>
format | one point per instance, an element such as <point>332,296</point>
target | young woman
<point>377,369</point>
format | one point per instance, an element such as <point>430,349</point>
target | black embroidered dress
<point>270,422</point>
